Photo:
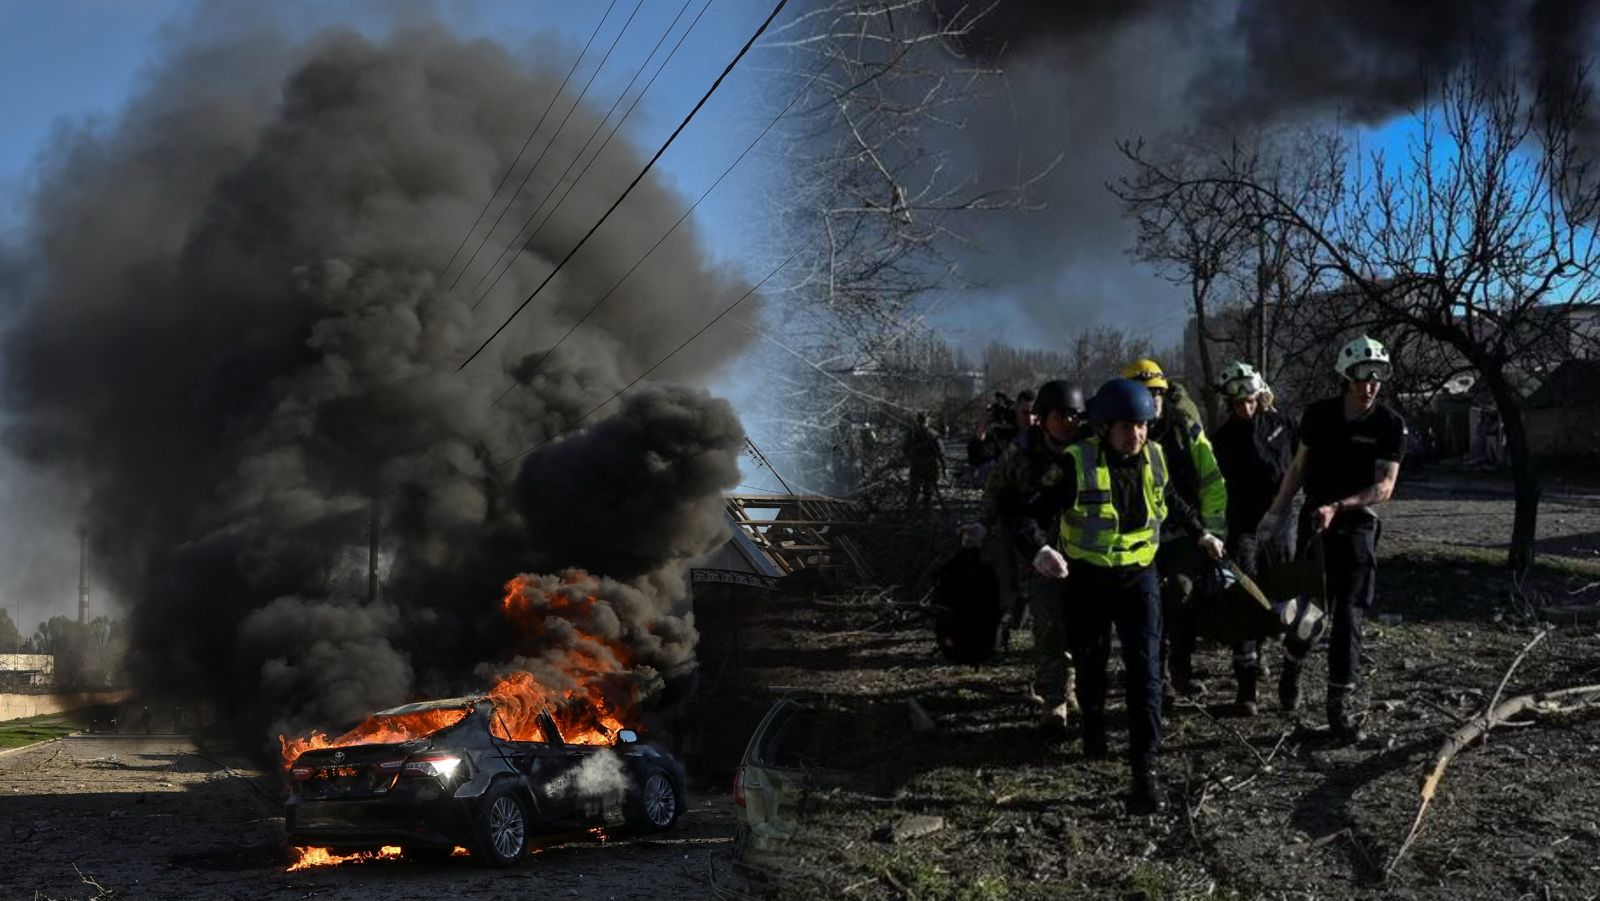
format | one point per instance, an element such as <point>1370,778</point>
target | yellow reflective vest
<point>1090,530</point>
<point>1213,490</point>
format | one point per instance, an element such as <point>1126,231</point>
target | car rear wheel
<point>502,826</point>
<point>657,801</point>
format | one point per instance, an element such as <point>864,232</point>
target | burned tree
<point>1479,241</point>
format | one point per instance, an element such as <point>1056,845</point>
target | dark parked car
<point>468,784</point>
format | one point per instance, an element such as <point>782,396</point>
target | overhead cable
<point>551,143</point>
<point>659,241</point>
<point>659,363</point>
<point>631,185</point>
<point>516,243</point>
<point>512,168</point>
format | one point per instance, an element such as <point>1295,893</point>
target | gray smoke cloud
<point>231,337</point>
<point>1080,76</point>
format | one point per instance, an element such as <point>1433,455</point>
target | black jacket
<point>1254,455</point>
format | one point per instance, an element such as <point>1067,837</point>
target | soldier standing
<point>925,459</point>
<point>1023,501</point>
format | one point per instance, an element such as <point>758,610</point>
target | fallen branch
<point>1265,762</point>
<point>1459,739</point>
<point>1586,695</point>
<point>1499,689</point>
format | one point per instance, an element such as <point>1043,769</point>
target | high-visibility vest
<point>1213,489</point>
<point>1090,531</point>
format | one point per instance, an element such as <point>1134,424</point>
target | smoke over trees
<point>230,332</point>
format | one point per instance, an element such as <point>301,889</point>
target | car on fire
<point>469,784</point>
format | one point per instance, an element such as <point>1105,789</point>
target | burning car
<point>435,775</point>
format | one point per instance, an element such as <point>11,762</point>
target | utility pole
<point>83,575</point>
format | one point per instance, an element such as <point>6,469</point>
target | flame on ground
<point>322,857</point>
<point>586,680</point>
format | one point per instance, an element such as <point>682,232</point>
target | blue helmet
<point>1122,400</point>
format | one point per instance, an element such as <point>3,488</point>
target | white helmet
<point>1238,369</point>
<point>1246,386</point>
<point>1362,350</point>
<point>1240,379</point>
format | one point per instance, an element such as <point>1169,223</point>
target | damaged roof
<point>782,534</point>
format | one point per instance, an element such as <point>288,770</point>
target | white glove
<point>1213,546</point>
<point>1049,563</point>
<point>972,534</point>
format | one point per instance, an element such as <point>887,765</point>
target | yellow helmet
<point>1146,372</point>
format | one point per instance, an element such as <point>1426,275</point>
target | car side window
<point>498,726</point>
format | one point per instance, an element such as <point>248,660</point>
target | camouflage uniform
<point>1024,498</point>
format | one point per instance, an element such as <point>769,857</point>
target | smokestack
<point>83,575</point>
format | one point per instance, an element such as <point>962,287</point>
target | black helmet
<point>1059,395</point>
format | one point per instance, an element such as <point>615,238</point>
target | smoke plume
<point>233,336</point>
<point>1080,76</point>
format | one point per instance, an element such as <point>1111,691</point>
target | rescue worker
<point>1254,446</point>
<point>1351,446</point>
<point>925,460</point>
<point>1120,496</point>
<point>1023,502</point>
<point>1198,480</point>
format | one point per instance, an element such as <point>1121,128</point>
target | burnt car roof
<point>463,703</point>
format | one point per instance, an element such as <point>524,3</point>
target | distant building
<point>27,670</point>
<point>1563,416</point>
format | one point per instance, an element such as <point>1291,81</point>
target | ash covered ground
<point>1263,807</point>
<point>160,816</point>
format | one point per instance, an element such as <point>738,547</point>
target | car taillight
<point>302,773</point>
<point>440,766</point>
<point>389,766</point>
<point>738,787</point>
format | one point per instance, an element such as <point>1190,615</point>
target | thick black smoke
<point>231,332</point>
<point>1080,76</point>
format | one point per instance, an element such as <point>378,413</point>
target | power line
<point>631,185</point>
<point>551,143</point>
<point>512,245</point>
<point>513,167</point>
<point>654,247</point>
<point>659,363</point>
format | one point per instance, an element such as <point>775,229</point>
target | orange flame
<point>373,730</point>
<point>585,679</point>
<point>306,858</point>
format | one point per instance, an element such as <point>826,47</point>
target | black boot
<point>1094,734</point>
<point>1342,723</point>
<point>1147,795</point>
<point>1289,686</point>
<point>1245,703</point>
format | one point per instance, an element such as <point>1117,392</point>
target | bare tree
<point>1479,241</point>
<point>1195,238</point>
<point>865,178</point>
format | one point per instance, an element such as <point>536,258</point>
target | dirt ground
<point>1265,807</point>
<point>154,816</point>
